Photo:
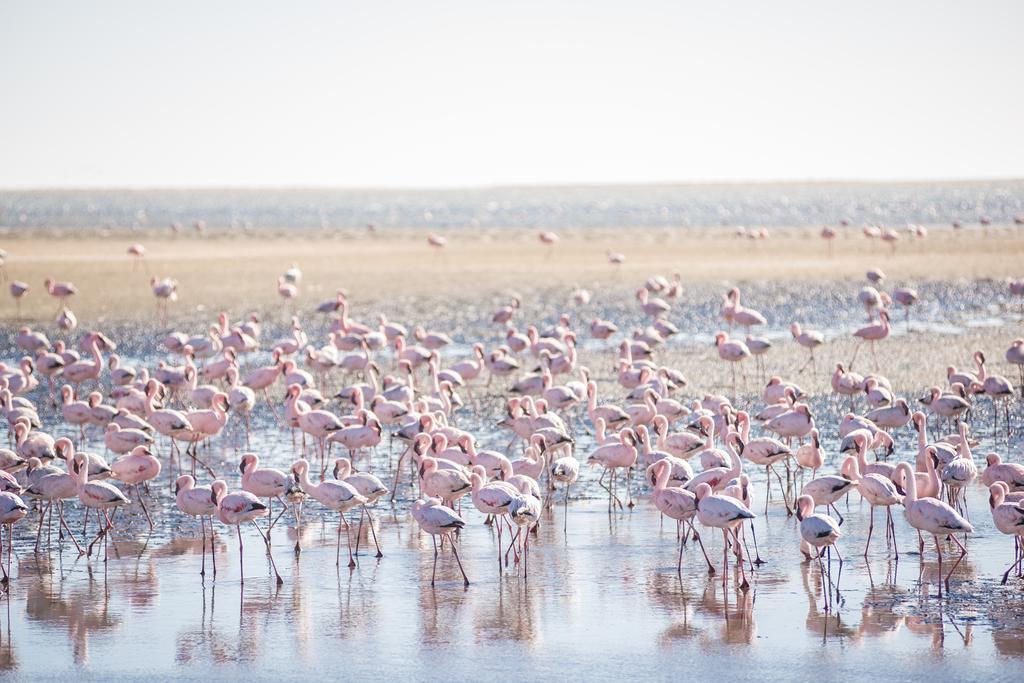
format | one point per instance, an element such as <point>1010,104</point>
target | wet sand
<point>238,271</point>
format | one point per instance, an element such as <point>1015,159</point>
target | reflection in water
<point>80,611</point>
<point>386,605</point>
<point>824,624</point>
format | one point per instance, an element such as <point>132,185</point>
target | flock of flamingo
<point>392,383</point>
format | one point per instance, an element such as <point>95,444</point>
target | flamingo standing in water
<point>369,487</point>
<point>235,509</point>
<point>877,490</point>
<point>820,532</point>
<point>56,487</point>
<point>12,511</point>
<point>1009,519</point>
<point>932,516</point>
<point>679,504</point>
<point>333,494</point>
<point>201,502</point>
<point>138,467</point>
<point>733,351</point>
<point>728,514</point>
<point>97,495</point>
<point>438,520</point>
<point>265,482</point>
<point>809,339</point>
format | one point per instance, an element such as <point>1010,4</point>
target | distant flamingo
<point>872,333</point>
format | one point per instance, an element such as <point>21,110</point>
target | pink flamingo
<point>333,494</point>
<point>60,290</point>
<point>96,495</point>
<point>18,290</point>
<point>725,513</point>
<point>820,532</point>
<point>439,520</point>
<point>56,487</point>
<point>201,502</point>
<point>12,511</point>
<point>265,482</point>
<point>809,339</point>
<point>932,516</point>
<point>734,351</point>
<point>492,498</point>
<point>613,456</point>
<point>138,467</point>
<point>1009,519</point>
<point>235,509</point>
<point>679,504</point>
<point>872,333</point>
<point>369,487</point>
<point>877,490</point>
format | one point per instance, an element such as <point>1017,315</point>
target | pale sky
<point>467,93</point>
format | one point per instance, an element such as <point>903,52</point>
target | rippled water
<point>602,600</point>
<point>779,204</point>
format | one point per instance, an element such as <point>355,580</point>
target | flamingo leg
<point>273,564</point>
<point>871,527</point>
<point>455,551</point>
<point>241,554</point>
<point>202,526</point>
<point>433,572</point>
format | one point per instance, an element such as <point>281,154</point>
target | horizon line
<point>501,186</point>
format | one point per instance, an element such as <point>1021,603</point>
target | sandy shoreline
<point>222,271</point>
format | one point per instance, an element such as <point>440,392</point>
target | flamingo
<point>725,513</point>
<point>679,504</point>
<point>930,515</point>
<point>1009,519</point>
<point>96,495</point>
<point>733,351</point>
<point>369,487</point>
<point>18,290</point>
<point>438,520</point>
<point>12,511</point>
<point>613,456</point>
<point>877,490</point>
<point>333,494</point>
<point>201,502</point>
<point>264,482</point>
<point>820,532</point>
<point>60,290</point>
<point>809,339</point>
<point>872,333</point>
<point>492,498</point>
<point>235,509</point>
<point>52,485</point>
<point>138,467</point>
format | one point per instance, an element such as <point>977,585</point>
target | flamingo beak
<point>799,515</point>
<point>241,467</point>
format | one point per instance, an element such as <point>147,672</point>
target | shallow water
<point>702,205</point>
<point>604,599</point>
